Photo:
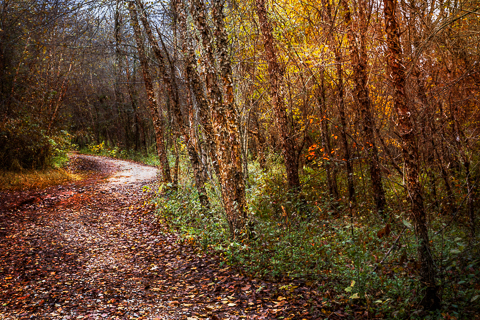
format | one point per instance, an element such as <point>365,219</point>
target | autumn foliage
<point>328,127</point>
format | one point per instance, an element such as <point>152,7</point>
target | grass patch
<point>35,179</point>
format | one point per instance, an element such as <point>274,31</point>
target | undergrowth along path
<point>93,250</point>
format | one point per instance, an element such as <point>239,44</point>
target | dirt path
<point>93,250</point>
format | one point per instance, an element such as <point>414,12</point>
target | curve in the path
<point>96,251</point>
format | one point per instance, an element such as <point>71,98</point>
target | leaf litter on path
<point>95,251</point>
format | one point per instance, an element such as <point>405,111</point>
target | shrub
<point>23,145</point>
<point>61,143</point>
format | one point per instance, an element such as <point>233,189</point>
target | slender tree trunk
<point>152,105</point>
<point>198,169</point>
<point>224,116</point>
<point>341,99</point>
<point>471,198</point>
<point>177,163</point>
<point>331,172</point>
<point>58,102</point>
<point>276,73</point>
<point>173,94</point>
<point>343,123</point>
<point>138,133</point>
<point>462,144</point>
<point>260,142</point>
<point>118,68</point>
<point>358,55</point>
<point>193,79</point>
<point>405,124</point>
<point>194,149</point>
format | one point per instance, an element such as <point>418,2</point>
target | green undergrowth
<point>26,146</point>
<point>337,249</point>
<point>32,158</point>
<point>102,149</point>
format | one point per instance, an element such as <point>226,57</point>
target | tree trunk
<point>331,172</point>
<point>118,94</point>
<point>176,170</point>
<point>276,73</point>
<point>341,109</point>
<point>261,145</point>
<point>224,116</point>
<point>173,94</point>
<point>152,105</point>
<point>362,96</point>
<point>195,151</point>
<point>193,80</point>
<point>405,124</point>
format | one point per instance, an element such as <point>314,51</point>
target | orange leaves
<point>314,151</point>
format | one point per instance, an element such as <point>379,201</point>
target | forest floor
<point>93,250</point>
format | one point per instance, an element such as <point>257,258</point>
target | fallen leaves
<point>100,253</point>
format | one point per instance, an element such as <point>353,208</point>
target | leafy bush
<point>61,144</point>
<point>23,145</point>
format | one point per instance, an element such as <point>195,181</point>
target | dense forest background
<point>334,141</point>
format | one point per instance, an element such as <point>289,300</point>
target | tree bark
<point>224,116</point>
<point>341,109</point>
<point>152,105</point>
<point>358,55</point>
<point>173,94</point>
<point>275,72</point>
<point>331,172</point>
<point>405,125</point>
<point>260,143</point>
<point>194,81</point>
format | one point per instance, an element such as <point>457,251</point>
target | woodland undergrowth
<point>103,149</point>
<point>30,158</point>
<point>346,252</point>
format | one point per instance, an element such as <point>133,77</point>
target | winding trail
<point>93,250</point>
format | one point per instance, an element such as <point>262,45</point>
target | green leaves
<point>350,288</point>
<point>407,224</point>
